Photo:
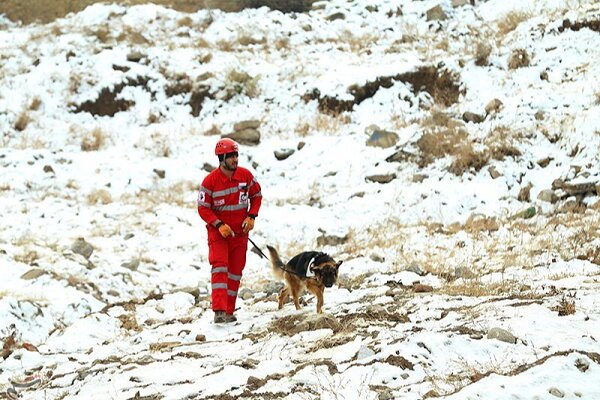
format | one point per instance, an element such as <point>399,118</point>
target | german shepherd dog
<point>322,271</point>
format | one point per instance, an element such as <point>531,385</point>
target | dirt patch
<point>107,103</point>
<point>45,11</point>
<point>292,324</point>
<point>440,84</point>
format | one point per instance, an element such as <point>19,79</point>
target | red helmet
<point>225,146</point>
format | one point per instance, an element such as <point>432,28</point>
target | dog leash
<point>257,248</point>
<point>264,256</point>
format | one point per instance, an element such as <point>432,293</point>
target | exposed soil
<point>44,11</point>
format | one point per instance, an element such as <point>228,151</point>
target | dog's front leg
<point>283,296</point>
<point>296,296</point>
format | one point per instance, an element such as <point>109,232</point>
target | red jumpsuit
<point>230,200</point>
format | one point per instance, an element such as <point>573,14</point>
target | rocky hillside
<point>446,151</point>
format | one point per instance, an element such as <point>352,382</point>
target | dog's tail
<point>276,263</point>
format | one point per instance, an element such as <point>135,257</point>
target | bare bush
<point>93,140</point>
<point>518,59</point>
<point>22,121</point>
<point>99,196</point>
<point>482,54</point>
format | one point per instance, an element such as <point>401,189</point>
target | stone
<point>436,14</point>
<point>473,117</point>
<point>283,154</point>
<point>381,178</point>
<point>493,106</point>
<point>383,139</point>
<point>81,247</point>
<point>501,334</point>
<point>248,124</point>
<point>33,274</point>
<point>548,195</point>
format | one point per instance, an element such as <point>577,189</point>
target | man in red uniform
<point>228,201</point>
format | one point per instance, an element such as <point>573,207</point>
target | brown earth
<point>44,11</point>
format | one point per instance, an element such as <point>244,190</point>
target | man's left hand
<point>248,224</point>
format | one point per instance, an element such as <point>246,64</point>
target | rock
<point>548,195</point>
<point>556,392</point>
<point>135,56</point>
<point>539,115</point>
<point>208,168</point>
<point>493,106</point>
<point>249,137</point>
<point>501,334</point>
<point>527,213</point>
<point>472,117</point>
<point>381,178</point>
<point>420,288</point>
<point>459,3</point>
<point>544,162</point>
<point>33,274</point>
<point>436,14</point>
<point>494,172</point>
<point>48,169</point>
<point>248,124</point>
<point>383,139</point>
<point>331,240</point>
<point>131,265</point>
<point>246,294</point>
<point>580,188</point>
<point>200,338</point>
<point>283,154</point>
<point>400,156</point>
<point>336,16</point>
<point>300,145</point>
<point>81,247</point>
<point>159,172</point>
<point>418,178</point>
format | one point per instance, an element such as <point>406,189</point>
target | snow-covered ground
<point>466,275</point>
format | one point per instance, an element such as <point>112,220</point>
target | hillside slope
<point>447,152</point>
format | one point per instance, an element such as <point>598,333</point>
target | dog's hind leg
<point>284,294</point>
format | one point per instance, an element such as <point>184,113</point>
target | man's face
<point>231,161</point>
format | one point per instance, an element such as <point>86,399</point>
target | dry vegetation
<point>444,136</point>
<point>510,21</point>
<point>93,140</point>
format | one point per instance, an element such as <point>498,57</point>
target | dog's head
<point>326,269</point>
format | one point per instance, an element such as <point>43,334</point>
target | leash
<point>257,248</point>
<point>264,256</point>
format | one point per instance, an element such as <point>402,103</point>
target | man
<point>228,201</point>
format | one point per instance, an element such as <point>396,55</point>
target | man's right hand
<point>225,230</point>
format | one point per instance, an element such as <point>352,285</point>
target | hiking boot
<point>220,317</point>
<point>230,318</point>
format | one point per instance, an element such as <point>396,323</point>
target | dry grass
<point>519,58</point>
<point>566,306</point>
<point>99,196</point>
<point>482,54</point>
<point>93,140</point>
<point>240,82</point>
<point>510,21</point>
<point>177,194</point>
<point>27,257</point>
<point>22,121</point>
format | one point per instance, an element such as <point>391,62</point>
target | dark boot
<point>230,318</point>
<point>220,317</point>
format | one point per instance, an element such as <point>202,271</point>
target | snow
<point>134,318</point>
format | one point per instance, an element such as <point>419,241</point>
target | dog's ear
<point>338,264</point>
